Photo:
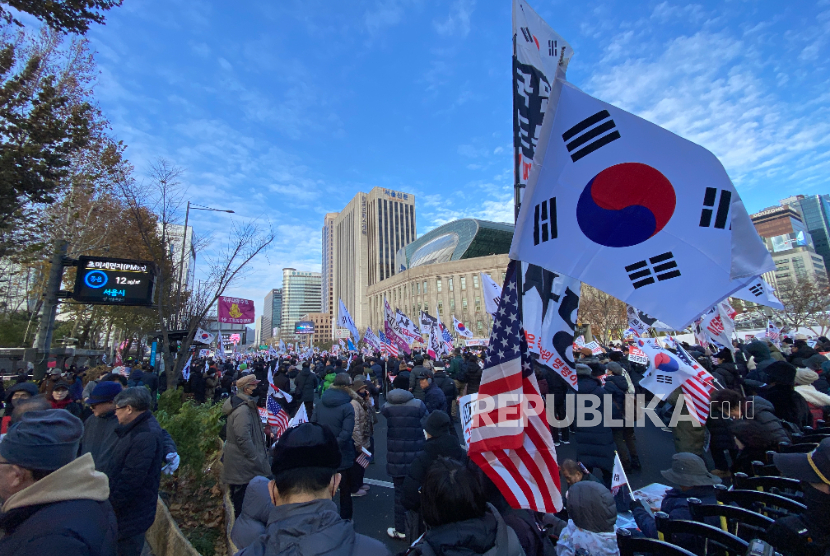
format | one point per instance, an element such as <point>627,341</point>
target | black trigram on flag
<point>527,34</point>
<point>663,267</point>
<point>553,48</point>
<point>722,214</point>
<point>593,137</point>
<point>544,221</point>
<point>757,290</point>
<point>664,379</point>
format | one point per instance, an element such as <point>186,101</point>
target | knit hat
<point>780,372</point>
<point>306,445</point>
<point>29,387</point>
<point>815,362</point>
<point>437,423</point>
<point>591,506</point>
<point>805,376</point>
<point>401,382</point>
<point>583,370</point>
<point>358,383</point>
<point>246,380</point>
<point>342,379</point>
<point>725,355</point>
<point>104,392</point>
<point>688,470</point>
<point>614,367</point>
<point>43,440</point>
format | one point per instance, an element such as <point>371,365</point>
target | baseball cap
<point>812,467</point>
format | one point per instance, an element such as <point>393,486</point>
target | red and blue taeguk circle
<point>625,204</point>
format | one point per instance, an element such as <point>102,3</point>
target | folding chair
<point>740,522</point>
<point>634,546</point>
<point>801,448</point>
<point>760,469</point>
<point>714,539</point>
<point>765,503</point>
<point>814,437</point>
<point>784,486</point>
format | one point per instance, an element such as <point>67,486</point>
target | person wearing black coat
<point>335,411</point>
<point>197,383</point>
<point>134,468</point>
<point>471,374</point>
<point>305,386</point>
<point>624,438</point>
<point>559,389</point>
<point>726,371</point>
<point>801,351</point>
<point>440,443</point>
<point>434,397</point>
<point>446,384</point>
<point>595,444</point>
<point>724,407</point>
<point>404,440</point>
<point>788,404</point>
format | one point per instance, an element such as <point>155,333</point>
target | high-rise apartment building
<point>271,313</point>
<point>815,212</point>
<point>178,241</point>
<point>327,270</point>
<point>368,233</point>
<point>300,295</point>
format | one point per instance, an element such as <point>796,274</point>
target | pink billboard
<point>234,310</point>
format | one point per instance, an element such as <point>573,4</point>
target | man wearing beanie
<point>99,428</point>
<point>53,503</point>
<point>134,468</point>
<point>440,443</point>
<point>305,520</point>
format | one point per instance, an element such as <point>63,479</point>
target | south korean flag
<point>637,212</point>
<point>760,292</point>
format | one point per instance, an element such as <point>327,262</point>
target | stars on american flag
<point>507,340</point>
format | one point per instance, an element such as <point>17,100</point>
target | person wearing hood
<point>336,412</point>
<point>99,436</point>
<point>592,517</point>
<point>440,443</point>
<point>594,444</point>
<point>245,455</point>
<point>303,518</point>
<point>817,401</point>
<point>816,363</point>
<point>16,393</point>
<point>458,518</point>
<point>404,440</point>
<point>61,399</point>
<point>688,471</point>
<point>809,532</point>
<point>780,392</point>
<point>53,501</point>
<point>621,388</point>
<point>725,371</point>
<point>760,353</point>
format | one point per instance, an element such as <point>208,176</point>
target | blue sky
<point>283,110</point>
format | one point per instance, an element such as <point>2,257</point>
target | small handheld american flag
<point>277,417</point>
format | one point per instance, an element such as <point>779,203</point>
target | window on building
<point>413,310</point>
<point>449,284</point>
<point>463,283</point>
<point>419,306</point>
<point>480,325</point>
<point>440,308</point>
<point>475,281</point>
<point>418,287</point>
<point>478,303</point>
<point>426,307</point>
<point>425,286</point>
<point>452,304</point>
<point>464,304</point>
<point>438,285</point>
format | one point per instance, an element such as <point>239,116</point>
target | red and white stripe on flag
<point>697,392</point>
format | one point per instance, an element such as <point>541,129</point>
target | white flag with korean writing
<point>637,212</point>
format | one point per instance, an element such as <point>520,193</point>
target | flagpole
<point>517,182</point>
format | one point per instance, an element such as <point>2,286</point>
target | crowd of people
<point>85,456</point>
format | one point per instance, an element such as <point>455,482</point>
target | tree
<point>806,303</point>
<point>66,16</point>
<point>156,208</point>
<point>606,314</point>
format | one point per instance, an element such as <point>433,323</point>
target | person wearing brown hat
<point>688,471</point>
<point>53,501</point>
<point>809,532</point>
<point>304,519</point>
<point>245,455</point>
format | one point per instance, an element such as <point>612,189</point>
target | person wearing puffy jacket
<point>726,371</point>
<point>404,440</point>
<point>335,411</point>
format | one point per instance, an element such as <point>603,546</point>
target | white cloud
<point>457,22</point>
<point>224,64</point>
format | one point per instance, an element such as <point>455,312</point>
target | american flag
<point>697,388</point>
<point>386,345</point>
<point>773,333</point>
<point>277,417</point>
<point>516,453</point>
<point>445,334</point>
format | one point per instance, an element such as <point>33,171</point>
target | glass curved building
<point>454,241</point>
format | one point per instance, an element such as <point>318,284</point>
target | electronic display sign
<point>106,281</point>
<point>304,327</point>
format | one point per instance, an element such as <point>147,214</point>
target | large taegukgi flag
<point>760,292</point>
<point>637,212</point>
<point>514,446</point>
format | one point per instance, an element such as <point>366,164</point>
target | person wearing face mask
<point>806,534</point>
<point>62,400</point>
<point>304,519</point>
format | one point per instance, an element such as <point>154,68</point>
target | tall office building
<point>815,212</point>
<point>327,271</point>
<point>177,242</point>
<point>271,313</point>
<point>300,295</point>
<point>367,233</point>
